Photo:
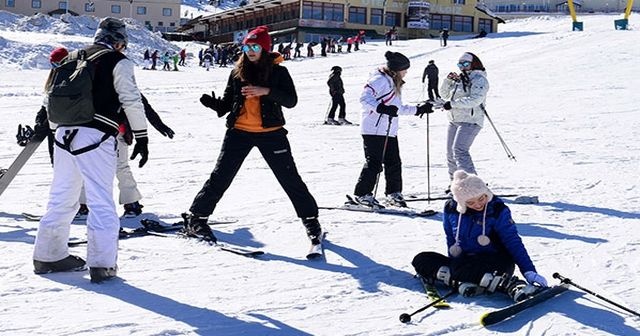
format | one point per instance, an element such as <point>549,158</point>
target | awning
<point>483,8</point>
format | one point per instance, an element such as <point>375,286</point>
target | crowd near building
<point>157,15</point>
<point>558,6</point>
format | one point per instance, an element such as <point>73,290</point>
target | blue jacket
<point>499,227</point>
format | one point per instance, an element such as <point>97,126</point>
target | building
<point>558,6</point>
<point>310,20</point>
<point>157,15</point>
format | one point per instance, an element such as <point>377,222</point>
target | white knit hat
<point>466,186</point>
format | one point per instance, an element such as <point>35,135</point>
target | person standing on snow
<point>464,96</point>
<point>336,90</point>
<point>483,245</point>
<point>381,102</point>
<point>431,74</point>
<point>85,155</point>
<point>257,89</point>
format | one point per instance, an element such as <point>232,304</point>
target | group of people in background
<point>151,60</point>
<point>482,259</point>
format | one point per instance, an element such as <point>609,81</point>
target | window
<point>459,2</point>
<point>376,16</point>
<point>358,15</point>
<point>462,23</point>
<point>141,10</point>
<point>333,12</point>
<point>392,19</point>
<point>312,10</point>
<point>89,7</point>
<point>172,24</point>
<point>10,3</point>
<point>486,25</point>
<point>167,12</point>
<point>36,4</point>
<point>61,4</point>
<point>115,9</point>
<point>160,23</point>
<point>439,21</point>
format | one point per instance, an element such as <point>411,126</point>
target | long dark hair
<point>254,73</point>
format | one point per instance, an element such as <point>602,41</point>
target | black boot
<point>69,264</point>
<point>516,288</point>
<point>198,225</point>
<point>100,274</point>
<point>314,230</point>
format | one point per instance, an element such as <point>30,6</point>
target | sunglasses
<point>254,47</point>
<point>464,64</point>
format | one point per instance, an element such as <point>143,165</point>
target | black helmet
<point>336,69</point>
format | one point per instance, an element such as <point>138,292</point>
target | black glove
<point>390,110</point>
<point>164,130</point>
<point>142,148</point>
<point>424,108</point>
<point>447,105</point>
<point>210,101</point>
<point>24,135</point>
<point>41,131</point>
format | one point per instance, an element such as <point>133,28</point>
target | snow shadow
<point>204,321</point>
<point>561,207</point>
<point>542,230</point>
<point>366,271</point>
<point>600,318</point>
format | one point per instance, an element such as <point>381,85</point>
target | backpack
<point>70,89</point>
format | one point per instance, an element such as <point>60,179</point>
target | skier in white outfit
<point>86,155</point>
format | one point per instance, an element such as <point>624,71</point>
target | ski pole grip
<point>562,279</point>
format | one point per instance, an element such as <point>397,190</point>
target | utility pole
<point>131,9</point>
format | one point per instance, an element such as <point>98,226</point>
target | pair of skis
<point>490,318</point>
<point>352,205</point>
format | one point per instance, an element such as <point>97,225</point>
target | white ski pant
<point>460,136</point>
<point>95,169</point>
<point>127,185</point>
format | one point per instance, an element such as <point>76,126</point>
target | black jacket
<point>283,93</point>
<point>335,84</point>
<point>431,73</point>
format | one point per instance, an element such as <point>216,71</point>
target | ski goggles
<point>464,64</point>
<point>255,47</point>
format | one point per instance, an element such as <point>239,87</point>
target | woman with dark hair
<point>257,89</point>
<point>381,102</point>
<point>464,96</point>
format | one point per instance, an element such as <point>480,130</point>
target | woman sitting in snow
<point>483,245</point>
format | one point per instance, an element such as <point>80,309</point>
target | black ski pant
<point>373,147</point>
<point>337,100</point>
<point>432,89</point>
<point>274,147</point>
<point>467,268</point>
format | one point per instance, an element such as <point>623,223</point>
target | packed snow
<point>564,102</point>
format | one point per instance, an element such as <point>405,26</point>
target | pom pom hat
<point>260,36</point>
<point>467,186</point>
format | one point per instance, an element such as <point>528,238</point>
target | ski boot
<point>369,201</point>
<point>132,210</point>
<point>314,230</point>
<point>198,225</point>
<point>82,213</point>
<point>69,264</point>
<point>331,121</point>
<point>100,274</point>
<point>396,199</point>
<point>343,121</point>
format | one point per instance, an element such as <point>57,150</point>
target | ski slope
<point>565,103</point>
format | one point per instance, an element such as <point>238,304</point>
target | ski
<point>317,250</point>
<point>148,227</point>
<point>414,198</point>
<point>352,205</point>
<point>433,294</point>
<point>505,313</point>
<point>350,124</point>
<point>36,218</point>
<point>226,247</point>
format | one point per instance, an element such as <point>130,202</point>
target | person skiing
<point>381,102</point>
<point>85,155</point>
<point>336,90</point>
<point>464,96</point>
<point>257,89</point>
<point>431,74</point>
<point>483,245</point>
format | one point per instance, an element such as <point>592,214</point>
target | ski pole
<point>428,164</point>
<point>568,281</point>
<point>384,152</point>
<point>504,144</point>
<point>404,318</point>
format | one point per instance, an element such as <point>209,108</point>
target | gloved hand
<point>41,131</point>
<point>424,108</point>
<point>210,101</point>
<point>534,278</point>
<point>447,105</point>
<point>453,76</point>
<point>142,148</point>
<point>164,130</point>
<point>390,110</point>
<point>24,135</point>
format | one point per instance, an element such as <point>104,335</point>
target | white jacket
<point>380,89</point>
<point>466,100</point>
